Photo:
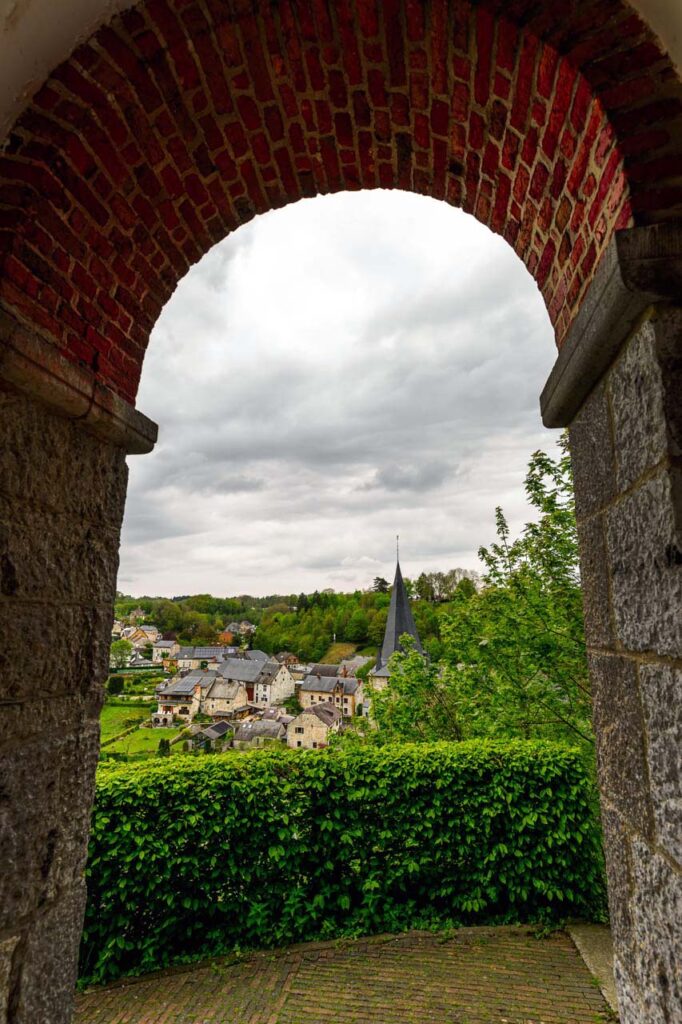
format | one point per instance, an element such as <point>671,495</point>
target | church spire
<point>399,620</point>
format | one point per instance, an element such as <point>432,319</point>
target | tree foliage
<point>513,659</point>
<point>119,653</point>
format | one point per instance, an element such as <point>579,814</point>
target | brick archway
<point>178,122</point>
<point>181,120</point>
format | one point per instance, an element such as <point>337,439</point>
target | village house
<point>287,658</point>
<point>153,633</point>
<point>213,737</point>
<point>261,733</point>
<point>181,698</point>
<point>312,728</point>
<point>274,684</point>
<point>344,692</point>
<point>192,658</point>
<point>224,698</point>
<point>136,614</point>
<point>266,682</point>
<point>163,649</point>
<point>257,655</point>
<point>324,670</point>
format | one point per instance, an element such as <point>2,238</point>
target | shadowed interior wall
<point>63,493</point>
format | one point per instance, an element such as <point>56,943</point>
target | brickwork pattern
<point>182,119</point>
<point>475,976</point>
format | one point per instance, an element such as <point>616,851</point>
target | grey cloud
<point>311,406</point>
<point>395,477</point>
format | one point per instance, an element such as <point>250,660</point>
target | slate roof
<point>217,731</point>
<point>326,713</point>
<point>246,671</point>
<point>164,643</point>
<point>399,621</point>
<point>324,670</point>
<point>203,653</point>
<point>257,656</point>
<point>178,688</point>
<point>264,727</point>
<point>224,689</point>
<point>327,684</point>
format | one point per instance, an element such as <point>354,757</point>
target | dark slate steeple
<point>399,621</point>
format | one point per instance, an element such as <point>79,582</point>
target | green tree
<point>356,631</point>
<point>119,653</point>
<point>377,627</point>
<point>164,747</point>
<point>514,660</point>
<point>417,704</point>
<point>380,585</point>
<point>115,685</point>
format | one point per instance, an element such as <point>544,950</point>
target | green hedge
<point>194,857</point>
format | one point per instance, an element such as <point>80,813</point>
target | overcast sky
<point>334,373</point>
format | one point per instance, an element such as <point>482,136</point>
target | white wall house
<point>273,686</point>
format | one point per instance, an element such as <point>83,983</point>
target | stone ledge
<point>35,367</point>
<point>640,267</point>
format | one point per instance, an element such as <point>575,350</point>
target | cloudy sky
<point>334,373</point>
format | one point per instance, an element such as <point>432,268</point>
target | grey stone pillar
<point>62,485</point>
<point>618,383</point>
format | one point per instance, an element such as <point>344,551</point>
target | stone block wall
<point>626,444</point>
<point>62,501</point>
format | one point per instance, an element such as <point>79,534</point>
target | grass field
<point>115,719</point>
<point>337,652</point>
<point>143,741</point>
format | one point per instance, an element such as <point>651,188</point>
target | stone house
<point>259,734</point>
<point>322,669</point>
<point>213,736</point>
<point>312,728</point>
<point>164,649</point>
<point>224,698</point>
<point>343,692</point>
<point>193,658</point>
<point>162,720</point>
<point>181,698</point>
<point>274,684</point>
<point>266,682</point>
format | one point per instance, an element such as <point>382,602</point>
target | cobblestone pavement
<point>472,976</point>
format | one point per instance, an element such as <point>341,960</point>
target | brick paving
<point>471,976</point>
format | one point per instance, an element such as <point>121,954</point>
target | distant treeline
<point>305,624</point>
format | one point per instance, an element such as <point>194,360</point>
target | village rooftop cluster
<point>229,696</point>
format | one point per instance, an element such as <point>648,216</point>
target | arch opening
<point>177,122</point>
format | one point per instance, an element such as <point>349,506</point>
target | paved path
<point>472,976</point>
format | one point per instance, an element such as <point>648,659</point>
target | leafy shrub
<point>191,857</point>
<point>115,685</point>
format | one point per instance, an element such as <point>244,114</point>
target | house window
<point>314,745</point>
<point>299,728</point>
<point>298,743</point>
